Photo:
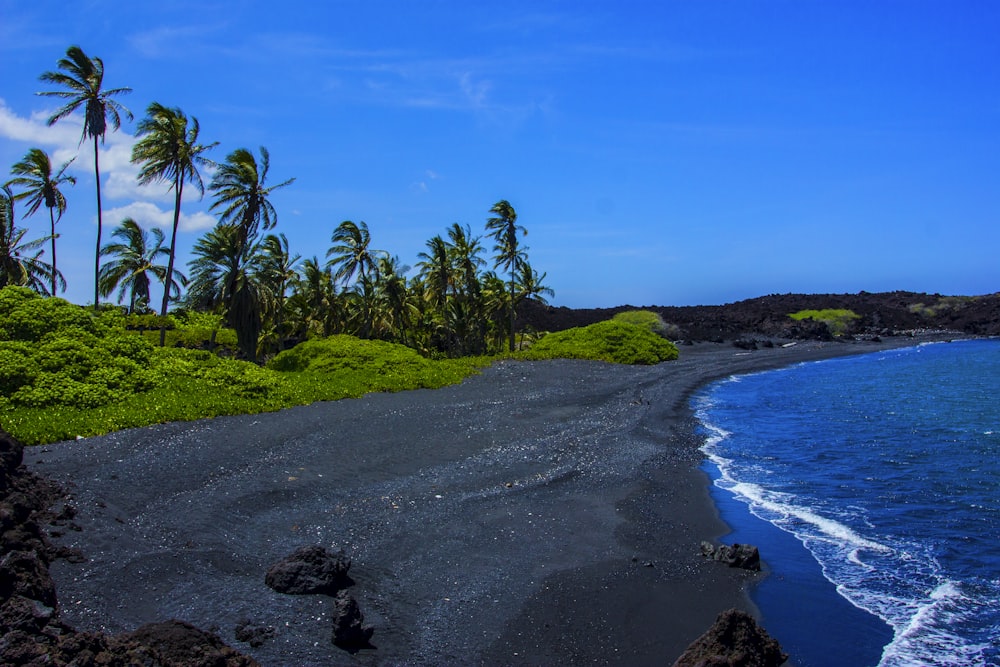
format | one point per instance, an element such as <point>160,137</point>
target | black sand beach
<point>541,513</point>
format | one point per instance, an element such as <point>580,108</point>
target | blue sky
<point>667,153</point>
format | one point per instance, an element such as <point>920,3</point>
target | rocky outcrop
<point>31,632</point>
<point>743,556</point>
<point>349,630</point>
<point>310,570</point>
<point>734,640</point>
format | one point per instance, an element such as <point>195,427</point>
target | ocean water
<point>872,486</point>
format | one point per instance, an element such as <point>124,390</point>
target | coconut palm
<point>465,251</point>
<point>134,259</point>
<point>314,304</point>
<point>351,252</point>
<point>83,78</point>
<point>503,228</point>
<point>19,259</point>
<point>34,174</point>
<point>241,194</point>
<point>531,287</point>
<point>168,150</point>
<point>394,309</point>
<point>435,270</point>
<point>278,268</point>
<point>224,279</point>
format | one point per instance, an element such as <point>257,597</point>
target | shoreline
<point>541,512</point>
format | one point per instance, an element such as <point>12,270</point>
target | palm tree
<point>435,270</point>
<point>18,266</point>
<point>224,279</point>
<point>169,151</point>
<point>314,302</point>
<point>277,269</point>
<point>241,194</point>
<point>34,173</point>
<point>394,309</point>
<point>83,78</point>
<point>134,259</point>
<point>351,252</point>
<point>504,228</point>
<point>531,285</point>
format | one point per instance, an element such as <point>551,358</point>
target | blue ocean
<point>871,485</point>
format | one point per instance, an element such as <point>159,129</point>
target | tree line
<point>241,269</point>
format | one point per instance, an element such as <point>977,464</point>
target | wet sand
<point>540,513</point>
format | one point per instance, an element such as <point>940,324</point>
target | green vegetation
<point>944,304</point>
<point>614,341</point>
<point>66,371</point>
<point>837,320</point>
<point>649,320</point>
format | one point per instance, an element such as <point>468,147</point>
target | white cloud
<point>149,215</point>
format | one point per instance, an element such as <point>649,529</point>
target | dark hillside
<point>881,314</point>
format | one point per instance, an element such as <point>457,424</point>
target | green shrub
<point>342,352</point>
<point>613,341</point>
<point>650,320</point>
<point>25,315</point>
<point>837,320</point>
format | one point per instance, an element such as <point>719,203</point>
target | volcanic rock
<point>743,556</point>
<point>349,631</point>
<point>734,640</point>
<point>310,569</point>
<point>180,643</point>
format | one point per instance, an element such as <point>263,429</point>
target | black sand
<point>541,513</point>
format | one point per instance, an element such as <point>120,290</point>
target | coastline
<point>542,512</point>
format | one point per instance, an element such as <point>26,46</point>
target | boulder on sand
<point>743,556</point>
<point>734,640</point>
<point>308,570</point>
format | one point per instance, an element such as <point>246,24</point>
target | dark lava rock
<point>311,569</point>
<point>31,632</point>
<point>734,640</point>
<point>768,316</point>
<point>349,631</point>
<point>252,633</point>
<point>180,643</point>
<point>744,556</point>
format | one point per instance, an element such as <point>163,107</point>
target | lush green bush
<point>614,341</point>
<point>352,364</point>
<point>837,320</point>
<point>24,315</point>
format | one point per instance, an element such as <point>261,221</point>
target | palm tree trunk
<point>97,254</point>
<point>512,310</point>
<point>178,190</point>
<point>52,220</point>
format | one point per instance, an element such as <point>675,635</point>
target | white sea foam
<point>927,637</point>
